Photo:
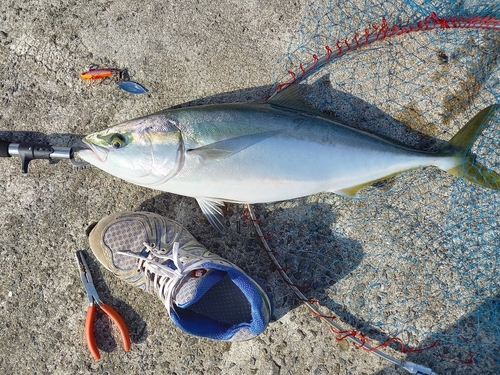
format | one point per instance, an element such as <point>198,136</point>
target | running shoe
<point>205,295</point>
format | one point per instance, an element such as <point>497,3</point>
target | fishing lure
<point>132,87</point>
<point>120,75</point>
<point>95,73</point>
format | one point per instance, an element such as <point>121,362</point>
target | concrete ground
<point>180,51</point>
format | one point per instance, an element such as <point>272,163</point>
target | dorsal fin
<point>292,99</point>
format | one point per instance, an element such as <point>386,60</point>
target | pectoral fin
<point>223,149</point>
<point>211,208</point>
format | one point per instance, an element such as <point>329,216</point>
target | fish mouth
<point>101,153</point>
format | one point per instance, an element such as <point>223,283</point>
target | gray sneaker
<point>204,294</point>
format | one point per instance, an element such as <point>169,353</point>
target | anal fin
<point>352,192</point>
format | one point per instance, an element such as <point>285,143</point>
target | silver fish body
<point>250,153</point>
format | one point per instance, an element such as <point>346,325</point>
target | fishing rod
<point>28,151</point>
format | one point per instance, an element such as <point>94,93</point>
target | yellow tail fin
<point>461,144</point>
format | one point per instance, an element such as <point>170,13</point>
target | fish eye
<point>117,140</point>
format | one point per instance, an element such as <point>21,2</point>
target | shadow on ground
<point>455,352</point>
<point>62,139</point>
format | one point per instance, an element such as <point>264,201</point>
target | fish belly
<point>286,167</point>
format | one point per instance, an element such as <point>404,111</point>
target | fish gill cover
<point>418,256</point>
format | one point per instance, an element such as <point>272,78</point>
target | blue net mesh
<point>418,255</point>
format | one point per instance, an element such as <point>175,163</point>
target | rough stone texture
<point>181,51</point>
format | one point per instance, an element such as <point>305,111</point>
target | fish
<point>266,152</point>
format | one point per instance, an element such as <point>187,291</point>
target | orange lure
<point>94,74</point>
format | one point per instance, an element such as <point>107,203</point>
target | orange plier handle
<point>115,317</point>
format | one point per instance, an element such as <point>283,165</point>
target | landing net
<point>418,256</point>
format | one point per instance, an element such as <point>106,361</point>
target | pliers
<point>93,300</point>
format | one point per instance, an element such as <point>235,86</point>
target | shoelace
<point>162,277</point>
